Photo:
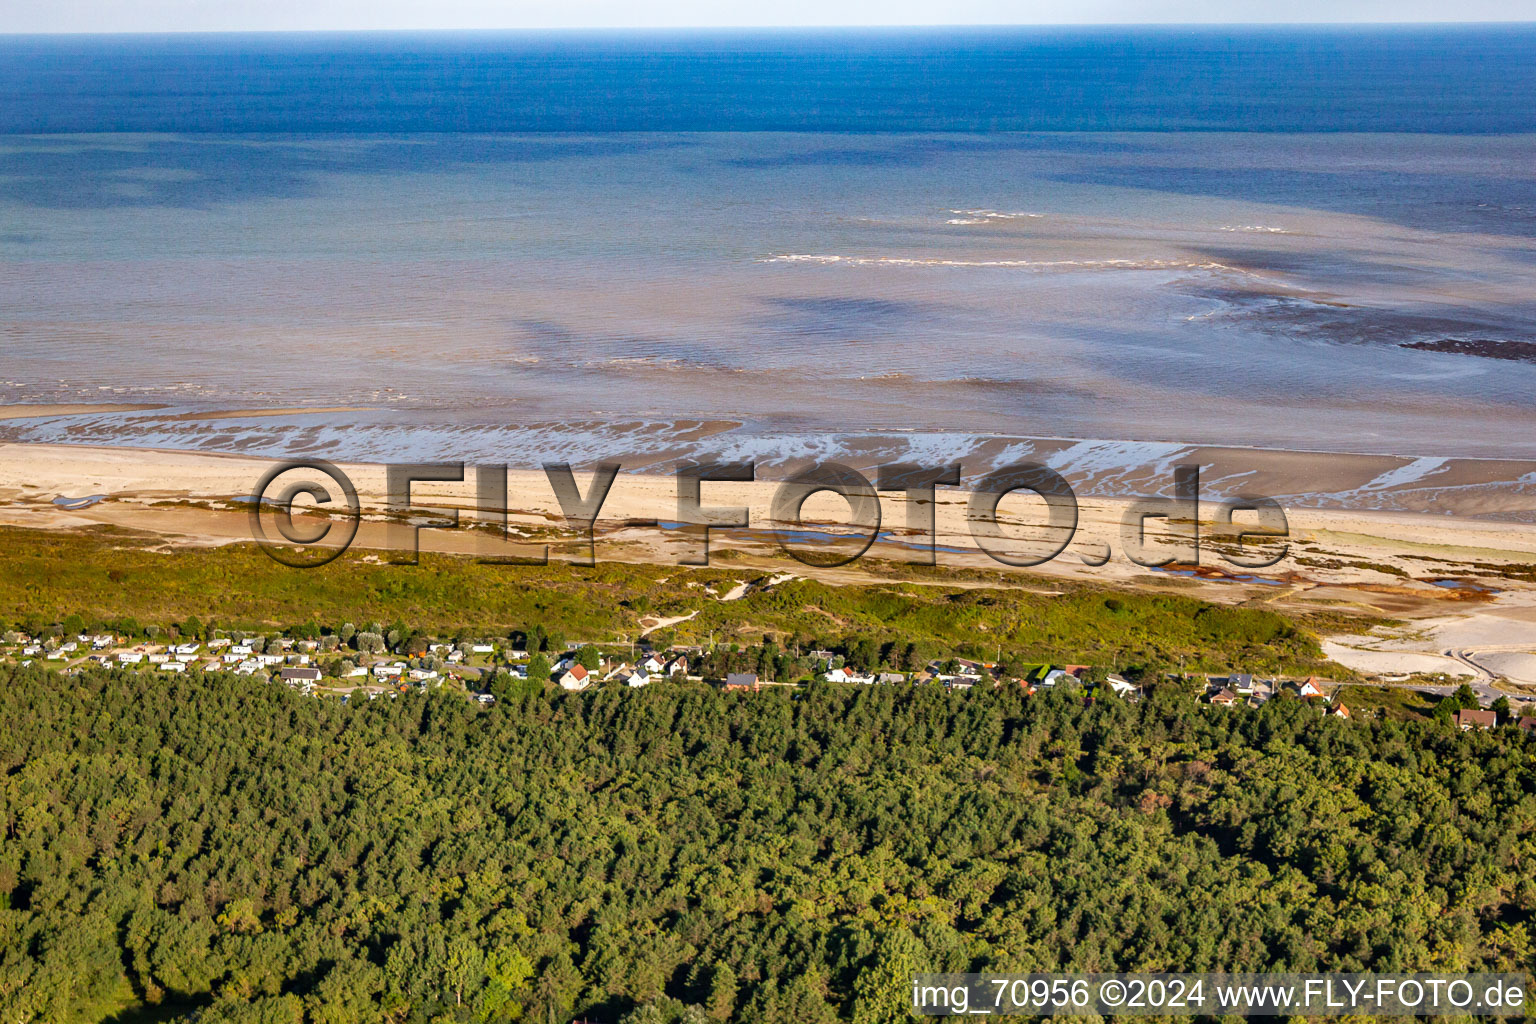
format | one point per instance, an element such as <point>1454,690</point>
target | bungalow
<point>130,658</point>
<point>185,658</point>
<point>231,659</point>
<point>187,648</point>
<point>222,641</point>
<point>388,671</point>
<point>101,642</point>
<point>961,682</point>
<point>31,649</point>
<point>1223,697</point>
<point>741,681</point>
<point>890,678</point>
<point>421,675</point>
<point>355,671</point>
<point>482,649</point>
<point>298,659</point>
<point>300,675</point>
<point>1526,723</point>
<point>159,659</point>
<point>576,678</point>
<point>173,666</point>
<point>848,675</point>
<point>243,650</point>
<point>1468,718</point>
<point>455,657</point>
<point>248,667</point>
<point>485,698</point>
<point>269,660</point>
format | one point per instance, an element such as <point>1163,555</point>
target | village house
<point>741,681</point>
<point>1339,710</point>
<point>300,675</point>
<point>1308,689</point>
<point>848,675</point>
<point>1223,697</point>
<point>1470,718</point>
<point>1121,686</point>
<point>635,678</point>
<point>576,678</point>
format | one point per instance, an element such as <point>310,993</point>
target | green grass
<point>1398,703</point>
<point>106,575</point>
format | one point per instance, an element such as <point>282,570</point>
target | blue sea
<point>786,244</point>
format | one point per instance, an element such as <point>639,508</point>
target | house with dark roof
<point>741,681</point>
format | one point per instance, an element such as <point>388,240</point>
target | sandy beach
<point>1454,581</point>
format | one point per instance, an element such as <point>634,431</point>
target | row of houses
<point>571,675</point>
<point>1225,691</point>
<point>1468,719</point>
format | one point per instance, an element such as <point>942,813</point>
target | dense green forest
<point>218,849</point>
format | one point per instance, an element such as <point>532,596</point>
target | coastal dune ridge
<point>1450,580</point>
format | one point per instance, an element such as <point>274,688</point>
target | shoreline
<point>222,410</point>
<point>1486,488</point>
